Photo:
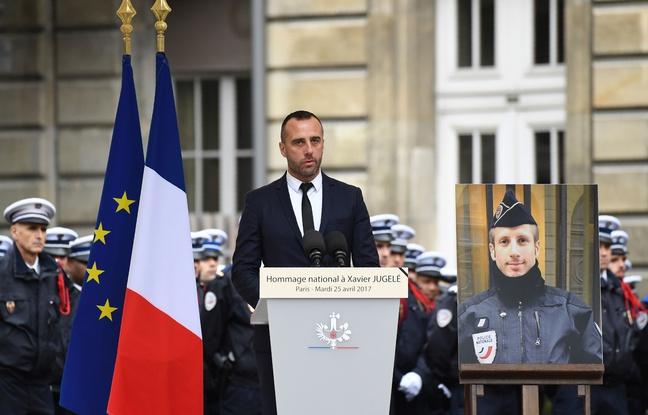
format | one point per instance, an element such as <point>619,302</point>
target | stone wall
<point>616,33</point>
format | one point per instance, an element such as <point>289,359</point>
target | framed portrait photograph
<point>529,303</point>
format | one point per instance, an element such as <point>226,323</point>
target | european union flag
<point>90,361</point>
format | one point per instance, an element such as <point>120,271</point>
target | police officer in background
<point>76,260</point>
<point>619,333</point>
<point>401,235</point>
<point>30,309</point>
<point>411,253</point>
<point>381,228</point>
<point>227,343</point>
<point>410,340</point>
<point>5,243</point>
<point>636,314</point>
<point>418,385</point>
<point>206,254</point>
<point>57,244</point>
<point>441,355</point>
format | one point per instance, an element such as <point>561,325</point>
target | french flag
<point>158,369</point>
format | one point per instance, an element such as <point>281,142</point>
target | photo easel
<point>529,376</point>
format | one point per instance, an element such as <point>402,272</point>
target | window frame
<point>227,153</point>
<point>475,36</point>
<point>553,35</point>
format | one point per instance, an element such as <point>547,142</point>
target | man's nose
<point>515,249</point>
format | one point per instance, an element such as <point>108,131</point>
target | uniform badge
<point>444,317</point>
<point>485,345</point>
<point>11,306</point>
<point>210,301</point>
<point>642,319</point>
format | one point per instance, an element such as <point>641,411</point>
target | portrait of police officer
<point>520,319</point>
<point>30,310</point>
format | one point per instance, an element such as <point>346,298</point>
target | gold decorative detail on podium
<point>161,10</point>
<point>126,12</point>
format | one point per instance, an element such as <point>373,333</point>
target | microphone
<point>338,248</point>
<point>314,247</point>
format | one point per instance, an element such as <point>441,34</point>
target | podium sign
<point>333,337</point>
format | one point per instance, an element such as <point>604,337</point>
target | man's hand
<point>410,385</point>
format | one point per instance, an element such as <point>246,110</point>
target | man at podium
<point>276,216</point>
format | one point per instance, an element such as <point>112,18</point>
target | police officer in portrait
<point>555,326</point>
<point>30,309</point>
<point>520,319</point>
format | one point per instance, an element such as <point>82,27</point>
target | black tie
<point>307,210</point>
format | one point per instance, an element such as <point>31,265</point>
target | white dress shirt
<point>314,196</point>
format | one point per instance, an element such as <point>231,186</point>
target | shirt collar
<point>35,266</point>
<point>294,183</point>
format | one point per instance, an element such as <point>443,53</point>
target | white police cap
<point>5,244</point>
<point>197,240</point>
<point>619,242</point>
<point>401,235</point>
<point>381,226</point>
<point>217,235</point>
<point>607,224</point>
<point>80,248</point>
<point>413,250</point>
<point>31,210</point>
<point>429,264</point>
<point>57,240</point>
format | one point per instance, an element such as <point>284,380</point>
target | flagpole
<point>126,12</point>
<point>161,10</point>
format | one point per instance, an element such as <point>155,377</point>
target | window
<point>216,139</point>
<point>549,156</point>
<point>549,32</point>
<point>476,33</point>
<point>477,158</point>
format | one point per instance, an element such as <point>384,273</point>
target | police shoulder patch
<point>444,317</point>
<point>210,301</point>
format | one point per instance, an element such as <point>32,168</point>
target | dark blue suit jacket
<point>269,232</point>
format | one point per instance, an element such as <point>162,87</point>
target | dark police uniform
<point>29,335</point>
<point>441,355</point>
<point>228,348</point>
<point>554,326</point>
<point>619,342</point>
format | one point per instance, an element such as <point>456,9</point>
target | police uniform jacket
<point>533,323</point>
<point>228,334</point>
<point>29,316</point>
<point>441,349</point>
<point>410,339</point>
<point>619,336</point>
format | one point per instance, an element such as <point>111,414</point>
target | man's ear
<point>14,231</point>
<point>282,148</point>
<point>491,249</point>
<point>537,248</point>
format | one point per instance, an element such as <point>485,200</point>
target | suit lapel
<point>286,206</point>
<point>327,201</point>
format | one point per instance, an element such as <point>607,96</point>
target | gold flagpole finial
<point>161,10</point>
<point>126,12</point>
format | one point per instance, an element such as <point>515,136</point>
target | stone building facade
<point>371,69</point>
